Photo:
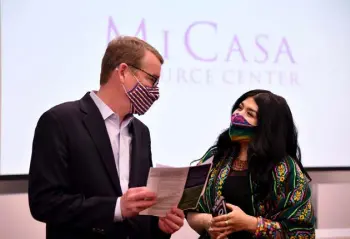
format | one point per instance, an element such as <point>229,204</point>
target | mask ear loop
<point>126,92</point>
<point>138,81</point>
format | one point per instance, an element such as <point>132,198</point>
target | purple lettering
<point>166,45</point>
<point>239,49</point>
<point>262,49</point>
<point>113,32</point>
<point>187,41</point>
<point>142,29</point>
<point>262,54</point>
<point>111,28</point>
<point>284,49</point>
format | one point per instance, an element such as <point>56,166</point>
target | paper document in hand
<point>168,184</point>
<point>180,187</point>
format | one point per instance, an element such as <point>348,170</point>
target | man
<point>91,157</point>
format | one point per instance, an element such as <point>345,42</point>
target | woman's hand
<point>234,221</point>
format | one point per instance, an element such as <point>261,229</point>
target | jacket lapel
<point>95,124</point>
<point>134,155</point>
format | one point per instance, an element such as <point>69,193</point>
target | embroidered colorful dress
<point>289,213</point>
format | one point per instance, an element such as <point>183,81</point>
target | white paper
<point>168,184</point>
<point>181,187</point>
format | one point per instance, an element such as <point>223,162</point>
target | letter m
<point>113,32</point>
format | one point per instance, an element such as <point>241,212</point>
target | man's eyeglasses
<point>154,79</point>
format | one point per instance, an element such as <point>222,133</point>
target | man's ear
<point>122,70</point>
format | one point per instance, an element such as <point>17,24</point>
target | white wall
<point>331,196</point>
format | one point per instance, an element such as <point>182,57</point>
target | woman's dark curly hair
<point>275,138</point>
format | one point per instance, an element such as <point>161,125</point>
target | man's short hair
<point>124,49</point>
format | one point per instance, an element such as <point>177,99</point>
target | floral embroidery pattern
<point>289,214</point>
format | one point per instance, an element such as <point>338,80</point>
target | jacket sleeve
<point>51,198</point>
<point>294,215</point>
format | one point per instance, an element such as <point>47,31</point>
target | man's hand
<point>136,200</point>
<point>173,221</point>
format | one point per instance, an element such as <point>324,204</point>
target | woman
<point>257,169</point>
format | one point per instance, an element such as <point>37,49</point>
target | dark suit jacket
<point>73,181</point>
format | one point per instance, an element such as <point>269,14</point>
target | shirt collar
<point>107,112</point>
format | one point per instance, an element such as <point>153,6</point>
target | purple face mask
<point>142,97</point>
